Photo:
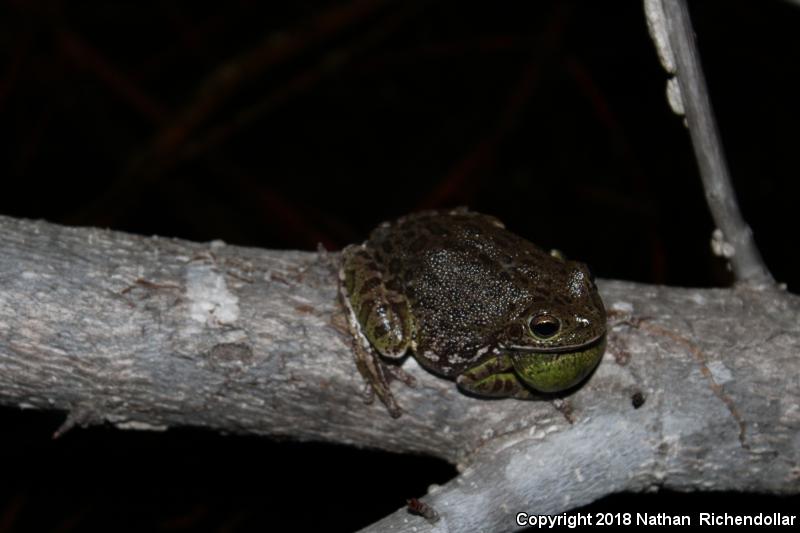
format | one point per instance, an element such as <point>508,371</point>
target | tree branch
<point>149,333</point>
<point>671,30</point>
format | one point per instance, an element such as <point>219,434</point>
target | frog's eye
<point>544,326</point>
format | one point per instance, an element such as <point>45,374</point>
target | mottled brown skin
<point>464,294</point>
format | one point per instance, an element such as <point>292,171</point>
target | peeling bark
<point>671,30</point>
<point>149,333</point>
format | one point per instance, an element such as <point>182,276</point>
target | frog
<point>471,302</point>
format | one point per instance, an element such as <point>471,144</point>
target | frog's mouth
<point>554,349</point>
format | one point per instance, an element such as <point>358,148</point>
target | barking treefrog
<point>472,302</point>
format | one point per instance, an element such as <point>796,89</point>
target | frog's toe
<point>377,375</point>
<point>502,385</point>
<point>401,375</point>
<point>392,406</point>
<point>368,393</point>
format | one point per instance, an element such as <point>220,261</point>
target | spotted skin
<point>494,378</point>
<point>382,313</point>
<point>472,302</point>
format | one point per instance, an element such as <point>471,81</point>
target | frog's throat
<point>556,371</point>
<point>554,349</point>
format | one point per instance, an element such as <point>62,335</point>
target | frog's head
<point>560,337</point>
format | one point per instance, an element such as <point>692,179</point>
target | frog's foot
<point>505,385</point>
<point>494,378</point>
<point>368,393</point>
<point>377,376</point>
<point>397,372</point>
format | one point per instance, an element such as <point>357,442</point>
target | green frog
<point>472,302</point>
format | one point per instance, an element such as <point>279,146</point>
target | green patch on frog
<point>472,302</point>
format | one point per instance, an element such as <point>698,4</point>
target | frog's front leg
<point>379,320</point>
<point>494,378</point>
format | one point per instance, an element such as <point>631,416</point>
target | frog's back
<point>464,276</point>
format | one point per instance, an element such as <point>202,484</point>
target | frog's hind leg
<point>494,378</point>
<point>381,312</point>
<point>379,320</point>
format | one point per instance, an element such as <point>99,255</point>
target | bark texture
<point>671,29</point>
<point>699,388</point>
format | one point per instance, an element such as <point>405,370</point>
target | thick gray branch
<point>151,333</point>
<point>671,29</point>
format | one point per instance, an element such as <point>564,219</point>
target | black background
<point>335,117</point>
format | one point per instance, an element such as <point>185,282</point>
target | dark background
<point>281,125</point>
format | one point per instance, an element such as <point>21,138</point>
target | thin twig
<point>671,29</point>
